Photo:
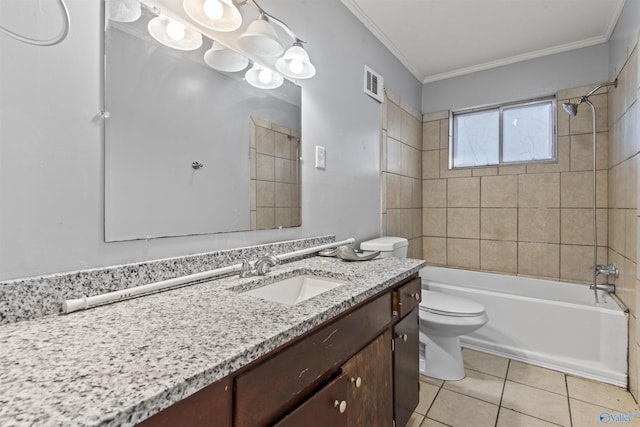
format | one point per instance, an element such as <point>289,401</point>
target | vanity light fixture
<point>295,62</point>
<point>220,58</point>
<point>174,34</point>
<point>263,78</point>
<point>218,15</point>
<point>260,39</point>
<point>123,10</point>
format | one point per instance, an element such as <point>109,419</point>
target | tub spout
<point>607,287</point>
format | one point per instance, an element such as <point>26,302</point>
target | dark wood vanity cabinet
<point>358,369</point>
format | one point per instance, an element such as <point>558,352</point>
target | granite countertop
<point>119,364</point>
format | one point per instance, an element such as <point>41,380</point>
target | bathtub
<point>556,325</point>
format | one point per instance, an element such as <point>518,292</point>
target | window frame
<point>501,107</point>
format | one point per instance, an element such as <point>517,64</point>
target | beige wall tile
<point>582,152</point>
<point>394,188</point>
<point>252,163</point>
<point>444,134</point>
<point>411,130</point>
<point>406,192</point>
<point>499,256</point>
<point>265,194</point>
<point>283,196</point>
<point>512,170</point>
<point>576,189</point>
<point>539,225</point>
<point>415,248</point>
<point>434,222</point>
<point>417,193</point>
<point>265,218</point>
<point>282,170</point>
<point>488,171</point>
<point>499,223</point>
<point>463,223</point>
<point>431,135</point>
<point>577,226</point>
<point>394,121</point>
<point>394,156</point>
<point>617,230</point>
<point>463,192</point>
<point>265,167</point>
<point>539,259</point>
<point>499,191</point>
<point>431,164</point>
<point>633,357</point>
<point>463,253</point>
<point>576,262</point>
<point>631,241</point>
<point>435,250</point>
<point>416,223</point>
<point>539,190</point>
<point>265,141</point>
<point>282,145</point>
<point>434,193</point>
<point>283,217</point>
<point>411,161</point>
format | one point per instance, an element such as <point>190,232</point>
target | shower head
<point>570,108</point>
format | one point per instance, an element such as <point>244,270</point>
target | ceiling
<point>439,39</point>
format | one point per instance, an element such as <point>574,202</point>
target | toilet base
<point>442,358</point>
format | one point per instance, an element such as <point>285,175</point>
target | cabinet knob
<point>341,405</point>
<point>356,381</point>
<point>403,337</point>
<point>416,296</point>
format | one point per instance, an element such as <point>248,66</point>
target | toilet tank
<point>389,247</point>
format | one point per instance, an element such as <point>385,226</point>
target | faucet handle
<point>246,268</point>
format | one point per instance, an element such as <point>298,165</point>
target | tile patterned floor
<point>499,392</point>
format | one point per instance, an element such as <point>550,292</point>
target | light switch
<point>320,157</point>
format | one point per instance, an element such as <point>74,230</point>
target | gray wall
<point>51,139</point>
<point>520,81</point>
<point>624,36</point>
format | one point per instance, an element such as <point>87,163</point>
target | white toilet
<point>443,318</point>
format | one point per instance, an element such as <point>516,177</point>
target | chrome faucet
<point>608,270</point>
<point>260,267</point>
<point>264,264</point>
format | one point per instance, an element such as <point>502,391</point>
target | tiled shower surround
<point>34,297</point>
<point>401,179</point>
<point>528,219</point>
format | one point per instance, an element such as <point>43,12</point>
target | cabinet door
<point>405,368</point>
<point>209,407</point>
<point>327,407</point>
<point>370,396</point>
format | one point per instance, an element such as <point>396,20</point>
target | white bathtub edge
<point>602,375</point>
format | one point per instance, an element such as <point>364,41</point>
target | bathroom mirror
<point>191,150</point>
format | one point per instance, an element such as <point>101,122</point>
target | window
<point>505,134</point>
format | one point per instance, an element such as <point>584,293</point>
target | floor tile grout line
<point>566,384</point>
<point>504,385</point>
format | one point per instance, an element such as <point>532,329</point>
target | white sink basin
<point>295,289</point>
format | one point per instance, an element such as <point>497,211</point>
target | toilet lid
<point>440,303</point>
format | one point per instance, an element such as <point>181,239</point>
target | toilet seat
<point>449,305</point>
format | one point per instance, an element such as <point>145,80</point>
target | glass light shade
<point>260,39</point>
<point>223,59</point>
<point>123,10</point>
<point>229,20</point>
<point>295,63</point>
<point>263,78</point>
<point>157,27</point>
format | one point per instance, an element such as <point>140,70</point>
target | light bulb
<point>265,76</point>
<point>175,30</point>
<point>213,9</point>
<point>296,66</point>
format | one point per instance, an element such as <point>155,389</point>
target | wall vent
<point>373,84</point>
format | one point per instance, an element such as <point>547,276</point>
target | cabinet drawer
<point>407,297</point>
<point>271,389</point>
<point>323,408</point>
